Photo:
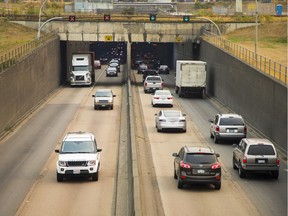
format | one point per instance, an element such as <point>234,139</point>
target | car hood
<point>77,157</point>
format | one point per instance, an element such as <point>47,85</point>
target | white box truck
<point>190,78</point>
<point>82,72</point>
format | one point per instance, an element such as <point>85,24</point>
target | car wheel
<point>145,91</point>
<point>95,176</point>
<point>59,177</point>
<point>234,165</point>
<point>241,171</point>
<point>184,130</point>
<point>171,105</point>
<point>211,135</point>
<point>112,107</point>
<point>95,108</point>
<point>215,139</point>
<point>217,186</point>
<point>275,174</point>
<point>179,183</point>
<point>175,175</point>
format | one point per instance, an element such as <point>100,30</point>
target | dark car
<point>197,165</point>
<point>149,72</point>
<point>164,69</point>
<point>142,68</point>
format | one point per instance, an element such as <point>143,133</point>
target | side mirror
<point>235,145</point>
<point>217,154</point>
<point>210,120</point>
<point>93,95</point>
<point>57,150</point>
<point>114,95</point>
<point>175,155</point>
<point>99,150</point>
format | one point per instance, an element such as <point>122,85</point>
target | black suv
<point>149,73</point>
<point>197,165</point>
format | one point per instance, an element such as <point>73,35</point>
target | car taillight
<point>245,130</point>
<point>244,160</point>
<point>216,166</point>
<point>169,98</point>
<point>278,161</point>
<point>184,165</point>
<point>217,129</point>
<point>156,98</point>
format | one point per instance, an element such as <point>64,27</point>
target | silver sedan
<point>170,120</point>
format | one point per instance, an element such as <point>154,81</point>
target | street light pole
<point>256,29</point>
<point>39,22</point>
<point>204,18</point>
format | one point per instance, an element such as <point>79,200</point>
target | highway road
<point>28,183</point>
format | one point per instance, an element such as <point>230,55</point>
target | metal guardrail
<point>263,64</point>
<point>12,57</point>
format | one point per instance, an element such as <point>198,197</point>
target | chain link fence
<point>261,63</point>
<point>12,57</point>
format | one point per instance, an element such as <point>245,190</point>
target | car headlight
<point>62,163</point>
<point>91,163</point>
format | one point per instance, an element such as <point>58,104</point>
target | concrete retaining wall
<point>25,84</point>
<point>261,100</point>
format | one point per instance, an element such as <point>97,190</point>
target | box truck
<point>82,70</point>
<point>190,78</point>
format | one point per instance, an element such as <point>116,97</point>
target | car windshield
<point>154,79</point>
<point>78,147</point>
<point>200,158</point>
<point>231,121</point>
<point>261,150</point>
<point>171,114</point>
<point>103,94</point>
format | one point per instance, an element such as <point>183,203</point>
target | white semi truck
<point>82,71</point>
<point>190,78</point>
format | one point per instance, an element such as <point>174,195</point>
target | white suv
<point>78,156</point>
<point>103,98</point>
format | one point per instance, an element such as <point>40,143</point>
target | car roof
<point>197,149</point>
<point>252,141</point>
<point>79,136</point>
<point>103,90</point>
<point>230,115</point>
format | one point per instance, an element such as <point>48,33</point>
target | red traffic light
<point>72,18</point>
<point>106,17</point>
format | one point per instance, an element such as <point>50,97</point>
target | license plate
<point>232,130</point>
<point>200,171</point>
<point>76,171</point>
<point>261,161</point>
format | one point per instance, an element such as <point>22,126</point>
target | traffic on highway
<point>71,156</point>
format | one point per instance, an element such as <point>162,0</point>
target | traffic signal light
<point>152,17</point>
<point>106,17</point>
<point>72,18</point>
<point>186,18</point>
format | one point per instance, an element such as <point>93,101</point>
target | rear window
<point>231,121</point>
<point>200,158</point>
<point>171,114</point>
<point>156,79</point>
<point>261,150</point>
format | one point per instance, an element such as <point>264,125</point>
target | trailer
<point>190,78</point>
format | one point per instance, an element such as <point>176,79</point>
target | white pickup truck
<point>153,83</point>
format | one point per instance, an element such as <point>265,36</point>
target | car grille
<point>77,163</point>
<point>80,78</point>
<point>103,101</point>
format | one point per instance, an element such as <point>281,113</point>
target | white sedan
<point>162,97</point>
<point>170,120</point>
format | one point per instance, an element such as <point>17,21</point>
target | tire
<point>234,165</point>
<point>275,174</point>
<point>95,176</point>
<point>179,183</point>
<point>95,107</point>
<point>184,131</point>
<point>217,186</point>
<point>171,105</point>
<point>59,177</point>
<point>176,90</point>
<point>241,171</point>
<point>215,139</point>
<point>175,175</point>
<point>112,107</point>
<point>211,135</point>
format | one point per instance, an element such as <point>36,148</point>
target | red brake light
<point>244,160</point>
<point>169,98</point>
<point>156,98</point>
<point>184,165</point>
<point>278,161</point>
<point>216,166</point>
<point>245,130</point>
<point>217,128</point>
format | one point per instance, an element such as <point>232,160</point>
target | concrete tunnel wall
<point>25,84</point>
<point>260,99</point>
